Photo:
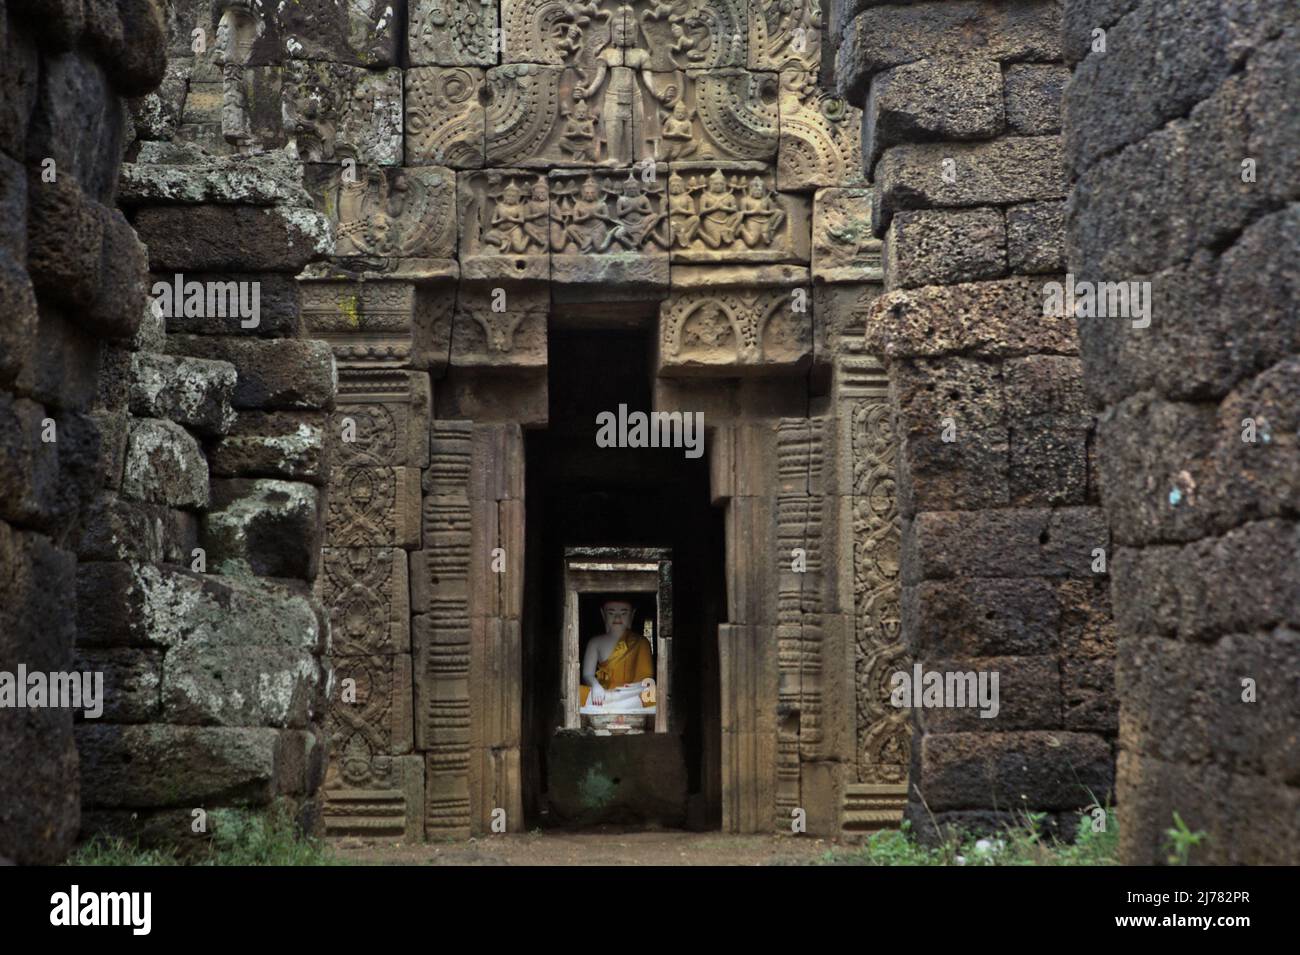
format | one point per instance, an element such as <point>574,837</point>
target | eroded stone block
<point>264,527</point>
<point>844,249</point>
<point>164,465</point>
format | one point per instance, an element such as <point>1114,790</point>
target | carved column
<point>496,499</point>
<point>746,648</point>
<point>378,438</point>
<point>442,632</point>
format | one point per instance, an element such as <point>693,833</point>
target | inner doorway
<point>581,495</point>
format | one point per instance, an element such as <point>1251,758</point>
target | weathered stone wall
<point>160,476</point>
<point>997,479</point>
<point>194,591</point>
<point>72,276</point>
<point>1183,144</point>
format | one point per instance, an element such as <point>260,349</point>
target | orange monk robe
<point>629,662</point>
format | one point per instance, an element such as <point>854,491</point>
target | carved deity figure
<point>637,222</point>
<point>537,218</point>
<point>719,215</point>
<point>589,223</point>
<point>617,666</point>
<point>761,216</point>
<point>368,215</point>
<point>308,113</point>
<point>579,136</point>
<point>678,132</point>
<point>683,217</point>
<point>230,51</point>
<point>508,230</point>
<point>622,61</point>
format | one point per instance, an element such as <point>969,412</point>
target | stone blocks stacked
<point>194,591</point>
<point>1194,188</point>
<point>72,275</point>
<point>1003,542</point>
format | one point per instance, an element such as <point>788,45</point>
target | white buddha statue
<point>618,666</point>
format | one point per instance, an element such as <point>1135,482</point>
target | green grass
<point>239,837</point>
<point>1024,844</point>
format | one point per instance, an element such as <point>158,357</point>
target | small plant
<point>239,837</point>
<point>1023,844</point>
<point>114,850</point>
<point>1181,840</point>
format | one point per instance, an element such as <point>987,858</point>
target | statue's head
<point>679,111</point>
<point>676,185</point>
<point>630,186</point>
<point>622,27</point>
<point>540,192</point>
<point>580,108</point>
<point>589,190</point>
<point>510,194</point>
<point>717,181</point>
<point>756,187</point>
<point>618,616</point>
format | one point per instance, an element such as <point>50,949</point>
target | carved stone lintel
<point>506,227</point>
<point>736,331</point>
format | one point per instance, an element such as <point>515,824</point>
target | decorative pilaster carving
<point>844,249</point>
<point>884,731</point>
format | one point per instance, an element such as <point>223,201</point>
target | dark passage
<point>582,495</point>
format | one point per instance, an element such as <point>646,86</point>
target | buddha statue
<point>617,666</point>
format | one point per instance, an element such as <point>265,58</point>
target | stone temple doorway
<point>584,495</point>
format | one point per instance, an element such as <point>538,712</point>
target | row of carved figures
<point>599,217</point>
